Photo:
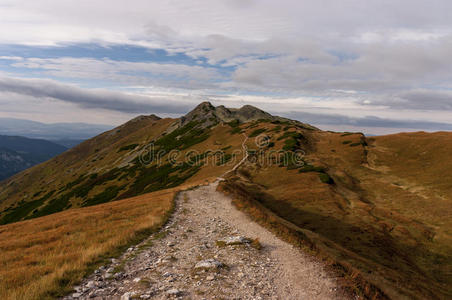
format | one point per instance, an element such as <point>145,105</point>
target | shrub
<point>106,196</point>
<point>309,168</point>
<point>257,132</point>
<point>128,147</point>
<point>236,130</point>
<point>25,208</point>
<point>325,178</point>
<point>224,159</point>
<point>183,138</point>
<point>234,123</point>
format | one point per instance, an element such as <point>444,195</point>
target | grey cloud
<point>102,99</point>
<point>368,121</point>
<point>135,73</point>
<point>418,99</point>
<point>425,99</point>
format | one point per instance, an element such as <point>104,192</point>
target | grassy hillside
<point>44,257</point>
<point>377,206</point>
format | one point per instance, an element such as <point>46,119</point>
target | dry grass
<point>385,221</point>
<point>349,278</point>
<point>42,258</point>
<point>256,244</point>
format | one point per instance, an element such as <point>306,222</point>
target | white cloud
<point>374,57</point>
<point>51,90</point>
<point>14,58</point>
<point>149,73</point>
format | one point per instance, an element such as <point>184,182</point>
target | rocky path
<point>209,250</point>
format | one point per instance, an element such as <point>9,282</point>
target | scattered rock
<point>235,240</point>
<point>210,278</point>
<point>125,296</point>
<point>174,292</point>
<point>172,265</point>
<point>209,264</point>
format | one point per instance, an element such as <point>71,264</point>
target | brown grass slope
<point>377,208</point>
<point>384,212</point>
<point>44,257</point>
<point>95,156</point>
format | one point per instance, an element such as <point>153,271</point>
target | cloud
<point>383,58</point>
<point>93,98</point>
<point>424,100</point>
<point>368,122</point>
<point>135,73</point>
<point>16,58</point>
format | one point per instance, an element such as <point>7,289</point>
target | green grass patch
<point>127,147</point>
<point>236,130</point>
<point>309,168</point>
<point>257,132</point>
<point>24,209</point>
<point>347,133</point>
<point>183,138</point>
<point>107,195</point>
<point>325,178</point>
<point>234,123</point>
<point>224,159</point>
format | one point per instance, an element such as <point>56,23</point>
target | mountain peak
<point>210,115</point>
<point>206,112</point>
<point>206,105</point>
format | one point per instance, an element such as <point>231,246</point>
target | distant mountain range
<point>66,132</point>
<point>20,153</point>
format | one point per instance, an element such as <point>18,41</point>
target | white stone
<point>173,292</point>
<point>208,264</point>
<point>210,278</point>
<point>125,296</point>
<point>235,240</point>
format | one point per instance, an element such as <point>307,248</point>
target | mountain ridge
<point>212,115</point>
<point>359,201</point>
<point>19,153</point>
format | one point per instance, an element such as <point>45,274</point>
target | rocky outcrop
<point>208,115</point>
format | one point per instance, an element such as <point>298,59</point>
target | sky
<point>375,66</point>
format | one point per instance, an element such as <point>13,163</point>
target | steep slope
<point>19,153</point>
<point>379,207</point>
<point>116,164</point>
